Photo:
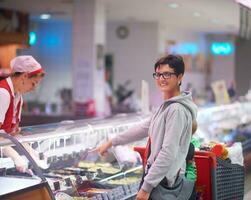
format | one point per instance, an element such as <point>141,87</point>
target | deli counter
<point>71,167</point>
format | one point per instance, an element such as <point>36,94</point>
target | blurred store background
<point>78,46</point>
<point>97,52</point>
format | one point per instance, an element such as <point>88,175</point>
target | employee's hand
<point>103,148</point>
<point>20,164</point>
<point>142,195</point>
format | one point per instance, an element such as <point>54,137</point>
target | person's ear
<point>180,77</point>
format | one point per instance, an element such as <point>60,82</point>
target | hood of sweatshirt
<point>185,98</point>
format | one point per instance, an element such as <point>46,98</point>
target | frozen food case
<point>66,161</point>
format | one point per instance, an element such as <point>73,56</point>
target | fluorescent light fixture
<point>196,14</point>
<point>45,16</point>
<point>173,5</point>
<point>246,3</point>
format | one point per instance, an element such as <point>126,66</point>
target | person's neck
<point>15,84</point>
<point>169,95</point>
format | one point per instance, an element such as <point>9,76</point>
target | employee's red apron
<point>8,124</point>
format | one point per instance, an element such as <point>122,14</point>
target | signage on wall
<point>220,92</point>
<point>185,48</point>
<point>32,38</point>
<point>222,48</point>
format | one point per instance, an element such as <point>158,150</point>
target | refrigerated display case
<point>75,170</point>
<point>225,123</point>
<point>31,184</point>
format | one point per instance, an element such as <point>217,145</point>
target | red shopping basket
<point>218,179</point>
<point>206,168</point>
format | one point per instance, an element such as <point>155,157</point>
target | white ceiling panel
<point>220,16</point>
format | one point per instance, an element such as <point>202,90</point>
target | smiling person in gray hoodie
<point>169,128</point>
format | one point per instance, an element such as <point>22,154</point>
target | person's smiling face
<point>166,79</point>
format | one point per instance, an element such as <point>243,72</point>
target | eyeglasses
<point>165,75</point>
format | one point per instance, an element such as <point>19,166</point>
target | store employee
<point>26,74</point>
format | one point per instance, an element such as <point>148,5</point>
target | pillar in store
<point>243,69</point>
<point>88,56</point>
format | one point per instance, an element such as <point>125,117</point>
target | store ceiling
<point>191,15</point>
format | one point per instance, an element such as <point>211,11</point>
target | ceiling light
<point>45,16</point>
<point>196,14</point>
<point>173,5</point>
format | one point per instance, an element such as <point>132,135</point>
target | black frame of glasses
<point>157,75</point>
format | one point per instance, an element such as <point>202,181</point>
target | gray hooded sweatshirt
<point>170,130</point>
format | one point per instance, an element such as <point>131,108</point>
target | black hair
<point>174,61</point>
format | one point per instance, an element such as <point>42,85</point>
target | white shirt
<point>4,105</point>
<point>5,102</point>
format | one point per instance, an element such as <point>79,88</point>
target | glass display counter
<point>71,168</point>
<point>27,185</point>
<point>74,171</point>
